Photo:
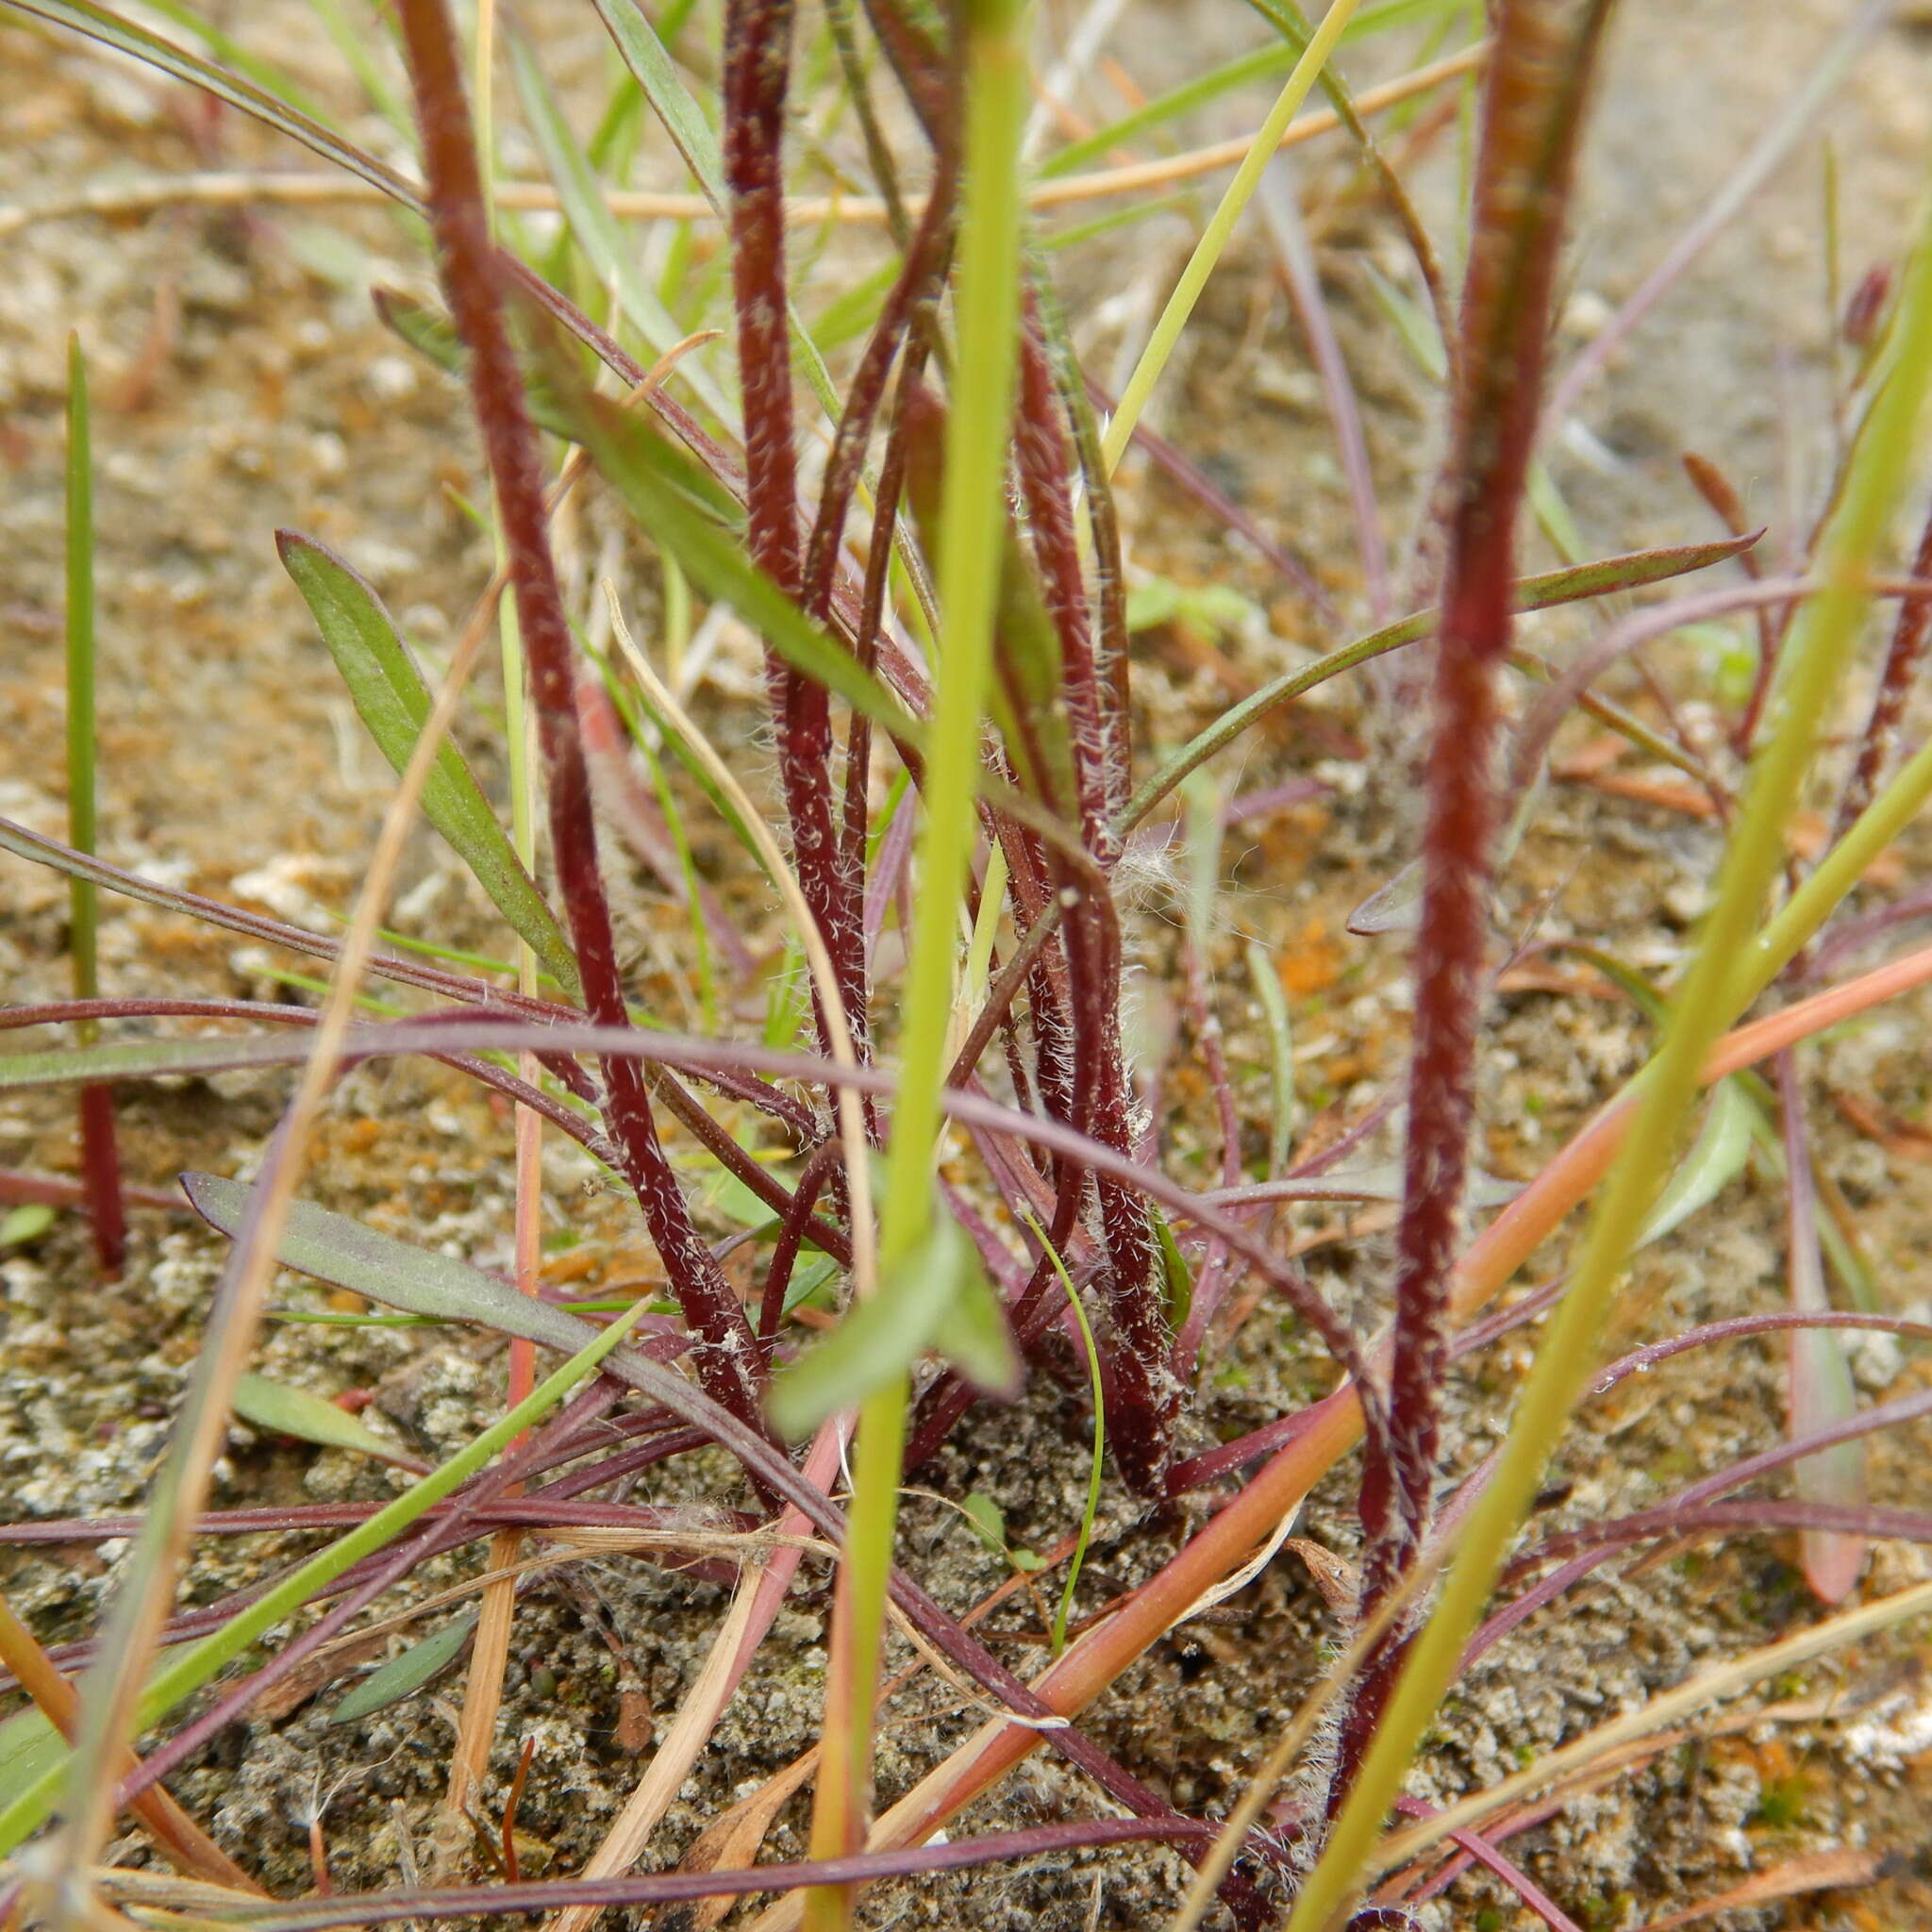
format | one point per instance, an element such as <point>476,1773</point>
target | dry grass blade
<point>223,188</point>
<point>733,1837</point>
<point>1723,1681</point>
<point>181,1840</point>
<point>1841,1870</point>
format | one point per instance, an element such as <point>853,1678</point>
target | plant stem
<point>974,523</point>
<point>1533,109</point>
<point>100,1164</point>
<point>1817,647</point>
<point>727,1356</point>
<point>1180,305</point>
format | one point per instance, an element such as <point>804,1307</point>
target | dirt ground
<point>242,385</point>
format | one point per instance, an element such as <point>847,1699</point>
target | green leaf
<point>403,1677</point>
<point>1178,1278</point>
<point>1715,1160</point>
<point>333,1248</point>
<point>26,1222</point>
<point>30,1749</point>
<point>988,1520</point>
<point>429,331</point>
<point>265,1405</point>
<point>990,1527</point>
<point>973,1335</point>
<point>597,230</point>
<point>1593,579</point>
<point>394,702</point>
<point>882,1337</point>
<point>657,482</point>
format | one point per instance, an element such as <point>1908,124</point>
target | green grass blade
<point>1264,64</point>
<point>197,1663</point>
<point>1180,305</point>
<point>1718,984</point>
<point>393,700</point>
<point>1097,1470</point>
<point>656,74</point>
<point>1716,1158</point>
<point>972,521</point>
<point>596,230</point>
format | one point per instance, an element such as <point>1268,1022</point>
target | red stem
<point>100,1173</point>
<point>726,1357</point>
<point>1908,637</point>
<point>1532,112</point>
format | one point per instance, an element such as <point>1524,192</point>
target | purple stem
<point>1281,213</point>
<point>1544,51</point>
<point>1889,702</point>
<point>758,59</point>
<point>1512,1874</point>
<point>669,1888</point>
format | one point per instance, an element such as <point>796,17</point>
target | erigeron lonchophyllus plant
<point>907,496</point>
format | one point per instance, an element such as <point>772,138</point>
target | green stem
<point>186,1674</point>
<point>1180,305</point>
<point>988,304</point>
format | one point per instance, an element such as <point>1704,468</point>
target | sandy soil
<point>242,385</point>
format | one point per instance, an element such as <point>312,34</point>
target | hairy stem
<point>1532,113</point>
<point>727,1356</point>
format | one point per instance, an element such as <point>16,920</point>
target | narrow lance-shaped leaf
<point>285,1411</point>
<point>1273,1002</point>
<point>939,1297</point>
<point>393,700</point>
<point>403,1677</point>
<point>333,1248</point>
<point>1715,1160</point>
